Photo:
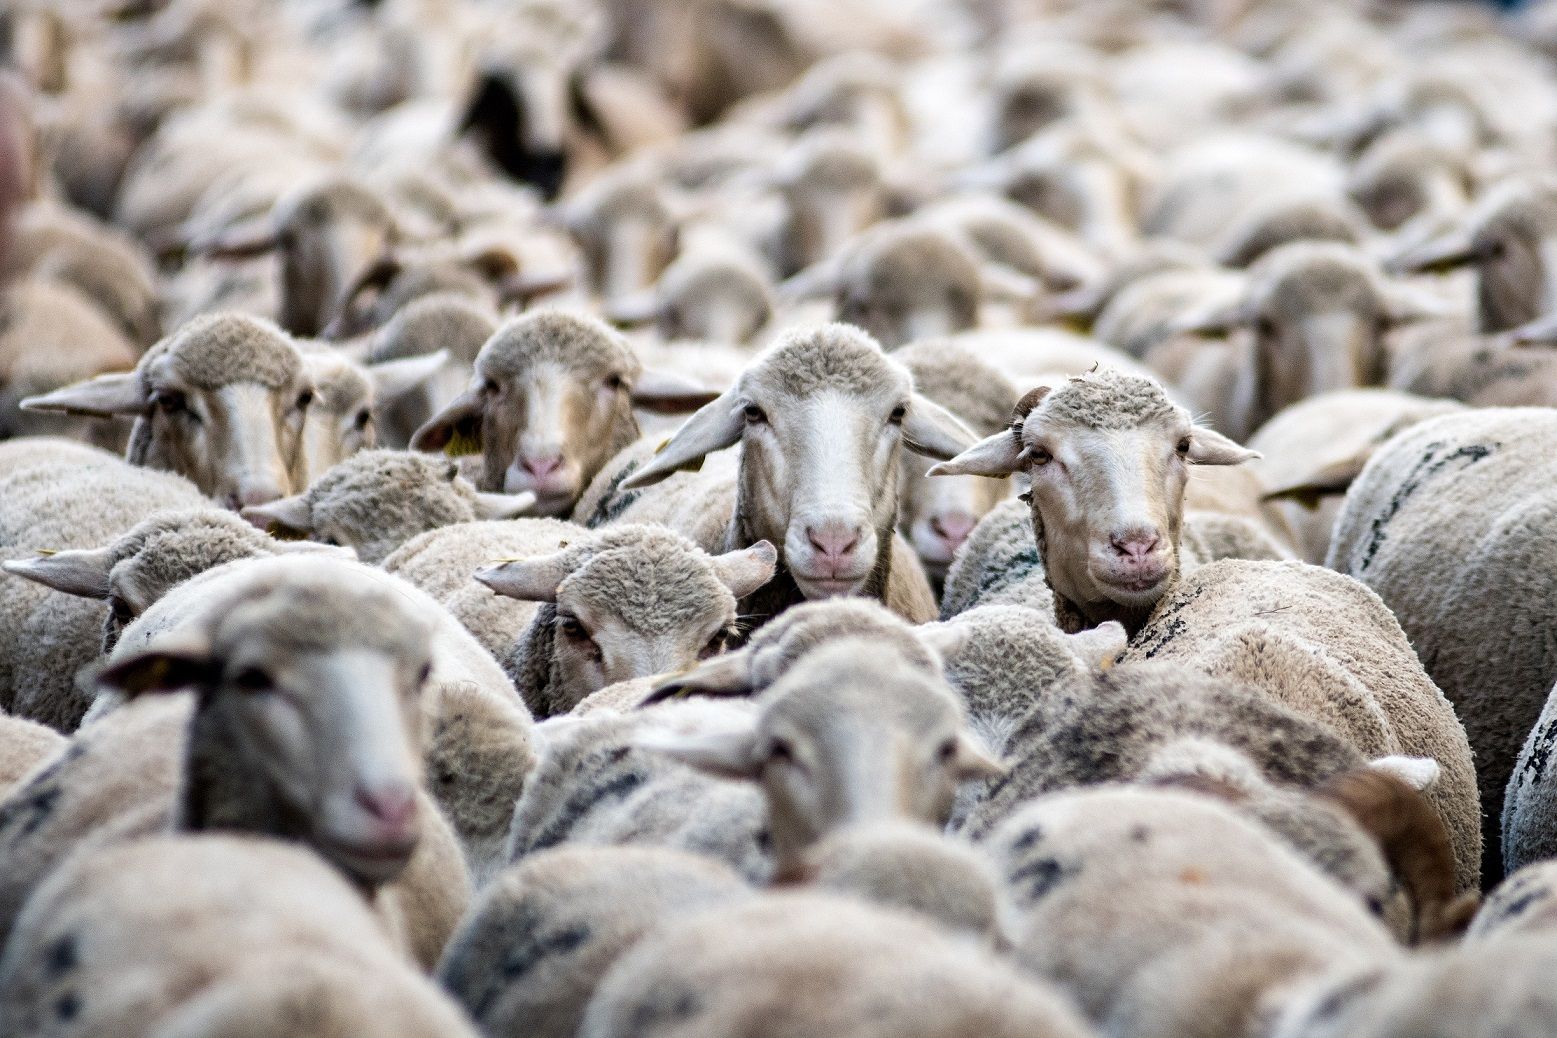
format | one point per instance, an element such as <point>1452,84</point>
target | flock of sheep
<point>777,518</point>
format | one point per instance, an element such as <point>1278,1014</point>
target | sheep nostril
<point>1135,547</point>
<point>953,527</point>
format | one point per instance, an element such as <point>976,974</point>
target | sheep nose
<point>1135,545</point>
<point>952,527</point>
<point>835,541</point>
<point>392,806</point>
<point>542,466</point>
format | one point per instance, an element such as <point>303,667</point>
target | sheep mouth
<point>827,587</point>
<point>1133,589</point>
<point>374,862</point>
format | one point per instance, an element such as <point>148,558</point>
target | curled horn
<point>1414,842</point>
<point>1024,406</point>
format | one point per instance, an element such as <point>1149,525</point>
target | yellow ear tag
<point>1078,324</point>
<point>663,444</point>
<point>47,551</point>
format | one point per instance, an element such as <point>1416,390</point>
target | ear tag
<point>462,443</point>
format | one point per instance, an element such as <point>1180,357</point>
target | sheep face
<point>911,285</point>
<point>848,736</point>
<point>1108,457</point>
<point>325,240</point>
<point>821,419</point>
<point>551,401</point>
<point>937,515</point>
<point>313,694</point>
<point>627,235</point>
<point>339,423</point>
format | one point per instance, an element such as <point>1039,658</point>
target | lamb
<point>1324,646</point>
<point>550,402</point>
<point>377,500</point>
<point>210,934</point>
<point>64,498</point>
<point>1108,517</point>
<point>789,964</point>
<point>595,784</point>
<point>1213,925</point>
<point>221,401</point>
<point>479,751</point>
<point>937,515</point>
<point>1449,523</point>
<point>1312,450</point>
<point>352,661</point>
<point>543,933</point>
<point>848,735</point>
<point>822,418</point>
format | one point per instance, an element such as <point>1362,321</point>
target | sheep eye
<point>252,679</point>
<point>781,752</point>
<point>717,644</point>
<point>305,398</point>
<point>946,752</point>
<point>1265,327</point>
<point>169,402</point>
<point>755,415</point>
<point>571,627</point>
<point>362,419</point>
<point>424,673</point>
<point>1039,456</point>
<point>1183,446</point>
<point>490,387</point>
<point>615,383</point>
<point>121,610</point>
<point>899,413</point>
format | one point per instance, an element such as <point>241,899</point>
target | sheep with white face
<point>822,419</point>
<point>1108,456</point>
<point>222,402</point>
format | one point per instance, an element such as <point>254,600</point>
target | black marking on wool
<point>523,956</point>
<point>1037,879</point>
<point>1028,840</point>
<point>1167,625</point>
<point>584,801</point>
<point>68,1006</point>
<point>1521,904</point>
<point>1540,753</point>
<point>61,957</point>
<point>615,500</point>
<point>1337,1000</point>
<point>1426,468</point>
<point>664,1005</point>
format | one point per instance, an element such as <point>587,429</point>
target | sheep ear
<point>1209,447</point>
<point>715,426</point>
<point>395,378</point>
<point>504,506</point>
<point>1407,302</point>
<point>526,287</point>
<point>252,238</point>
<point>167,667</point>
<point>1327,481</point>
<point>82,573</point>
<point>934,432</point>
<point>1420,773</point>
<point>746,570</point>
<point>728,674</point>
<point>1540,332</point>
<point>945,639</point>
<point>293,514</point>
<point>1213,319</point>
<point>456,429</point>
<point>972,762</point>
<point>100,397</point>
<point>666,392</point>
<point>529,580</point>
<point>1437,255</point>
<point>997,455</point>
<point>816,281</point>
<point>1003,284</point>
<point>634,310</point>
<point>731,755</point>
<point>1101,646</point>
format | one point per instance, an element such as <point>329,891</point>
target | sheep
<point>595,784</point>
<point>221,401</point>
<point>1527,800</point>
<point>822,417</point>
<point>1522,903</point>
<point>528,956</point>
<point>1323,645</point>
<point>998,565</point>
<point>1448,523</point>
<point>1168,724</point>
<point>1109,549</point>
<point>480,748</point>
<point>1212,925</point>
<point>937,515</point>
<point>842,739</point>
<point>208,934</point>
<point>833,189</point>
<point>789,964</point>
<point>319,641</point>
<point>712,292</point>
<point>1492,987</point>
<point>1317,313</point>
<point>1312,450</point>
<point>625,229</point>
<point>71,499</point>
<point>377,500</point>
<point>626,602</point>
<point>550,402</point>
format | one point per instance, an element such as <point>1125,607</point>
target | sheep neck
<point>220,792</point>
<point>1073,616</point>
